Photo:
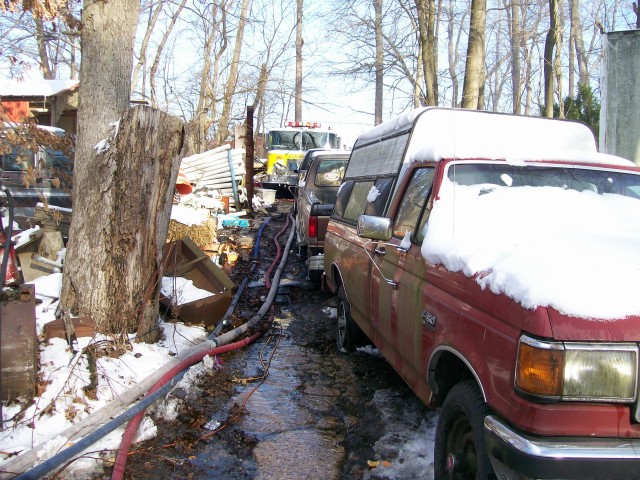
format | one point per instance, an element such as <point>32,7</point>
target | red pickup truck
<point>493,260</point>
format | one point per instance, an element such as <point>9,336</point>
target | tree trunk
<point>417,96</point>
<point>452,55</point>
<point>516,38</point>
<point>120,196</point>
<point>214,31</point>
<point>549,47</point>
<point>557,64</point>
<point>572,56</point>
<point>426,20</point>
<point>120,225</point>
<point>578,44</point>
<point>232,81</point>
<point>299,44</point>
<point>474,72</point>
<point>258,103</point>
<point>45,63</point>
<point>377,7</point>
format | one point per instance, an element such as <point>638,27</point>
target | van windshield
<point>577,178</point>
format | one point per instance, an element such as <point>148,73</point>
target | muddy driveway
<point>290,406</point>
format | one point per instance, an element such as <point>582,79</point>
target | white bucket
<point>268,196</point>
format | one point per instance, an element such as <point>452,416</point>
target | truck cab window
<point>413,202</point>
<point>358,200</point>
<point>383,185</point>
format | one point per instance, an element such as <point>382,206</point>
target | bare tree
<point>577,42</point>
<point>379,62</point>
<point>156,61</point>
<point>474,75</point>
<point>154,13</point>
<point>275,34</point>
<point>426,24</point>
<point>35,37</point>
<point>299,45</point>
<point>549,49</point>
<point>453,43</point>
<point>512,9</point>
<point>232,80</point>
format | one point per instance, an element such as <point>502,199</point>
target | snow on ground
<point>63,401</point>
<point>405,449</point>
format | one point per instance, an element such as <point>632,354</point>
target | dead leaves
<point>377,463</point>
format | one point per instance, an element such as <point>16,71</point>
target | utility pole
<point>248,156</point>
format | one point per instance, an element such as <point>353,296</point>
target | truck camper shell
<point>433,134</point>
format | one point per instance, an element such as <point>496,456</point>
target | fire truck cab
<point>286,148</point>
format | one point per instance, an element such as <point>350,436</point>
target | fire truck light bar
<point>303,124</point>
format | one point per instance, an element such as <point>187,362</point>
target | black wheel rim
<point>460,451</point>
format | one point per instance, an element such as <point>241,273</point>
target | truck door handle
<point>380,250</point>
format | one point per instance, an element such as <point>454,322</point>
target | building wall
<point>620,103</point>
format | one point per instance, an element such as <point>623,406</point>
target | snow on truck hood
<point>577,252</point>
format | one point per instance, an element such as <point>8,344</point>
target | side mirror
<point>375,228</point>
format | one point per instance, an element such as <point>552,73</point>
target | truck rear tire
<point>350,336</point>
<point>460,449</point>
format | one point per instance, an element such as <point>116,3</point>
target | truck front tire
<point>460,449</point>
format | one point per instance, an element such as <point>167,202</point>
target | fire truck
<point>286,148</point>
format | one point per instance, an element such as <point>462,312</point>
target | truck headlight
<point>593,372</point>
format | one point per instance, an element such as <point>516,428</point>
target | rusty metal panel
<point>18,344</point>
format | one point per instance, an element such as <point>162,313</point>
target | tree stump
<point>121,207</point>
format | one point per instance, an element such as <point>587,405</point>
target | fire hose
<point>155,385</point>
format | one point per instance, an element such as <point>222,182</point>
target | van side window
<point>344,193</point>
<point>413,202</point>
<point>383,186</point>
<point>358,200</point>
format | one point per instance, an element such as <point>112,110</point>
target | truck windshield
<point>578,178</point>
<point>290,139</point>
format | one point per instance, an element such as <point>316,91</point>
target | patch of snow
<point>102,146</point>
<point>405,244</point>
<point>63,401</point>
<point>370,350</point>
<point>36,87</point>
<point>189,216</point>
<point>23,237</point>
<point>330,312</point>
<point>373,194</point>
<point>405,449</point>
<point>542,246</point>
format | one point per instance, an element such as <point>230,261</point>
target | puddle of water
<point>297,437</point>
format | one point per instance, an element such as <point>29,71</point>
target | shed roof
<point>36,88</point>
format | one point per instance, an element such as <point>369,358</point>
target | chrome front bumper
<point>518,456</point>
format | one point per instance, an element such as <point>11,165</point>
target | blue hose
<point>224,320</point>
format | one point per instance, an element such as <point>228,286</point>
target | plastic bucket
<point>268,196</point>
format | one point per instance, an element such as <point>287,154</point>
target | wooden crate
<point>184,258</point>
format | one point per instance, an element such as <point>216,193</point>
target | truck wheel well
<point>336,277</point>
<point>447,370</point>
